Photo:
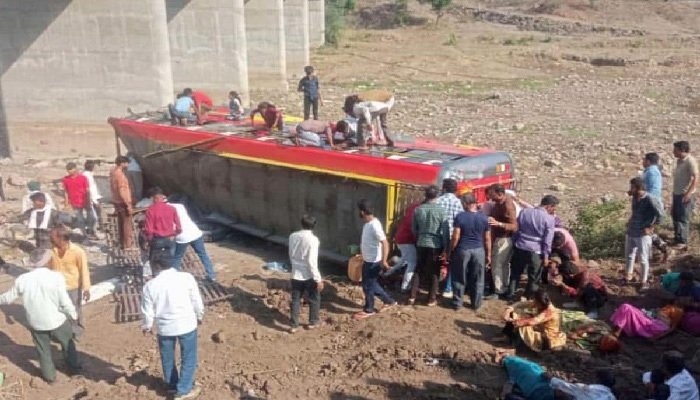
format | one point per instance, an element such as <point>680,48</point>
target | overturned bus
<point>265,183</point>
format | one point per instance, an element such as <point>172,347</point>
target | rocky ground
<point>577,91</point>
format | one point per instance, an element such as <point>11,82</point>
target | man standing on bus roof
<point>452,206</point>
<point>375,252</point>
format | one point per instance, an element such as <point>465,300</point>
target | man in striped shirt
<point>452,206</point>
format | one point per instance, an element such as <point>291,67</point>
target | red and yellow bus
<point>265,184</point>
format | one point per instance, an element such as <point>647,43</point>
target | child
<point>235,106</point>
<point>272,115</point>
<point>181,112</point>
<point>312,94</point>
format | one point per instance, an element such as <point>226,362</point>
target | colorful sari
<point>634,322</point>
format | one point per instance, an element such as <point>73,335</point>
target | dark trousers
<point>42,341</point>
<point>76,297</point>
<point>529,261</point>
<point>85,220</point>
<point>467,270</point>
<point>162,250</point>
<point>371,286</point>
<point>427,270</point>
<point>308,105</point>
<point>592,298</point>
<point>681,213</point>
<point>310,287</point>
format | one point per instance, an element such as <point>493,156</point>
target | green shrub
<point>600,229</point>
<point>336,10</point>
<point>439,7</point>
<point>401,12</point>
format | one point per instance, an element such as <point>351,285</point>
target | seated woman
<point>541,330</point>
<point>235,106</point>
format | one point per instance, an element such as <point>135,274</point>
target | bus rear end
<point>477,171</point>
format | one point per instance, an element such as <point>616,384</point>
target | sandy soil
<point>523,78</point>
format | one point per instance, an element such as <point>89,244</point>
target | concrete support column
<point>296,28</point>
<point>208,46</point>
<point>267,58</point>
<point>82,60</point>
<point>317,23</point>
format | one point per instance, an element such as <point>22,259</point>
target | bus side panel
<point>269,198</point>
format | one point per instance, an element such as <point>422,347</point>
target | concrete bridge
<point>81,61</point>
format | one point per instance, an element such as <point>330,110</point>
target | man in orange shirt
<point>71,261</point>
<point>121,197</point>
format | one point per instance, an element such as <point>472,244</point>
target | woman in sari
<point>635,322</point>
<point>688,297</point>
<point>536,324</point>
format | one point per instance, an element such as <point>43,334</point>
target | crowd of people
<point>448,243</point>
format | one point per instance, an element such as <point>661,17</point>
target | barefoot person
<point>375,253</point>
<point>173,303</point>
<point>49,312</point>
<point>306,279</point>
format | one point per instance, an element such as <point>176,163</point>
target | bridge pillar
<point>208,46</point>
<point>81,60</point>
<point>267,58</point>
<point>296,28</point>
<point>317,23</point>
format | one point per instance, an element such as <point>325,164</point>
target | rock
<point>593,264</point>
<point>552,163</point>
<point>607,198</point>
<point>44,142</point>
<point>256,335</point>
<point>42,164</point>
<point>35,382</point>
<point>121,381</point>
<point>557,187</point>
<point>5,161</point>
<point>518,127</point>
<point>218,337</point>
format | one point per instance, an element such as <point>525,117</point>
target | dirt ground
<point>576,90</point>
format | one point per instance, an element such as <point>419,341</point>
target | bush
<point>439,7</point>
<point>600,229</point>
<point>336,10</point>
<point>402,16</point>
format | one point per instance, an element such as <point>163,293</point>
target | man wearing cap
<point>49,312</point>
<point>35,187</point>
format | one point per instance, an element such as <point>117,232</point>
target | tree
<point>439,7</point>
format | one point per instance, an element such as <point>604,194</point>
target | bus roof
<point>415,161</point>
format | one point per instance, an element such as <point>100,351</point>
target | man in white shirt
<point>306,278</point>
<point>95,195</point>
<point>35,187</point>
<point>682,384</point>
<point>47,305</point>
<point>172,301</point>
<point>375,252</point>
<point>191,235</point>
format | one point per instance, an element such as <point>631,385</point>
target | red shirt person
<point>272,115</point>
<point>77,197</point>
<point>202,104</point>
<point>161,226</point>
<point>406,241</point>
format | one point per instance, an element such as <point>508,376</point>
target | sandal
<point>411,302</point>
<point>362,315</point>
<point>432,303</point>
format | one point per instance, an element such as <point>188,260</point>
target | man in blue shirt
<point>471,252</point>
<point>312,93</point>
<point>652,176</point>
